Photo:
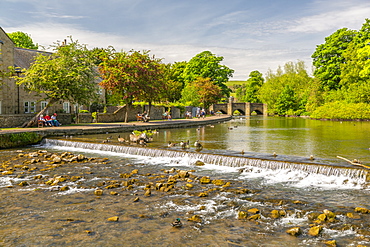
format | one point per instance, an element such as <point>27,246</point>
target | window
<point>66,107</point>
<point>29,107</point>
<point>43,104</point>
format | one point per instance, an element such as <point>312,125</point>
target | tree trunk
<point>33,121</point>
<point>126,112</point>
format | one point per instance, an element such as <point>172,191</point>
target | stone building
<point>14,100</point>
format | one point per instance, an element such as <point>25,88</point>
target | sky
<point>250,35</point>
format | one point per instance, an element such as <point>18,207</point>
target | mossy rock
<point>11,140</point>
<point>98,192</point>
<point>253,210</point>
<point>275,214</point>
<point>254,217</point>
<point>331,243</point>
<point>218,182</point>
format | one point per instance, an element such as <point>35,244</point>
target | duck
<point>120,139</point>
<point>171,144</point>
<point>184,145</point>
<point>177,223</point>
<point>242,152</point>
<point>197,145</point>
<point>312,157</point>
<point>105,141</point>
<point>274,154</point>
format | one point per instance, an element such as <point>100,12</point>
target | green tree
<point>67,74</point>
<point>286,102</point>
<point>355,76</point>
<point>294,75</point>
<point>133,75</point>
<point>207,65</point>
<point>249,91</point>
<point>328,58</point>
<point>202,92</point>
<point>23,40</point>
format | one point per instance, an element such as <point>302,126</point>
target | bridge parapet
<point>243,108</point>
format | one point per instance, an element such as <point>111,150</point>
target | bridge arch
<point>245,108</point>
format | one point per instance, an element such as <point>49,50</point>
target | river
<point>284,164</point>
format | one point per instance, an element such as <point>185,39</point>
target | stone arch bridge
<point>244,108</point>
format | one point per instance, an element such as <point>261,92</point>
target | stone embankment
<point>17,137</point>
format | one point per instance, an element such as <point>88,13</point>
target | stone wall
<point>13,121</point>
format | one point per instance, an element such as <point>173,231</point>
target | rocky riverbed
<point>60,198</point>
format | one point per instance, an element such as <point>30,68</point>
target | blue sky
<point>250,35</point>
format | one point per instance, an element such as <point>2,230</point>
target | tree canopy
<point>249,91</point>
<point>207,65</point>
<point>23,40</point>
<point>133,75</point>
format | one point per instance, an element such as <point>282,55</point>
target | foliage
<point>342,110</point>
<point>22,40</point>
<point>207,65</point>
<point>174,84</point>
<point>133,75</point>
<point>68,74</point>
<point>249,91</point>
<point>19,139</point>
<point>83,111</point>
<point>149,133</point>
<point>202,92</point>
<point>328,58</point>
<point>286,101</point>
<point>275,89</point>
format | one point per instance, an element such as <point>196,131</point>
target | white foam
<point>301,179</point>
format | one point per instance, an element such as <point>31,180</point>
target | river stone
<point>294,231</point>
<point>203,194</point>
<point>321,217</point>
<point>254,217</point>
<point>148,192</point>
<point>205,180</point>
<point>195,218</point>
<point>136,199</point>
<point>189,186</point>
<point>315,231</point>
<point>23,183</point>
<point>113,193</point>
<point>218,182</point>
<point>253,211</point>
<point>331,243</point>
<point>183,174</point>
<point>114,218</point>
<point>353,216</point>
<point>362,210</point>
<point>57,159</point>
<point>64,188</point>
<point>329,213</point>
<point>98,192</point>
<point>275,214</point>
<point>242,215</point>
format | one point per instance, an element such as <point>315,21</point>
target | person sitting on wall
<point>145,116</point>
<point>42,119</point>
<point>54,120</point>
<point>48,120</point>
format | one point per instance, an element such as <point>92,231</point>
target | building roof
<point>24,57</point>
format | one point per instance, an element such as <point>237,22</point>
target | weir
<point>220,160</point>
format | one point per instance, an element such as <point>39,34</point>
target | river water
<point>239,151</point>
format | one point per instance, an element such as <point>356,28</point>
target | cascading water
<point>361,175</point>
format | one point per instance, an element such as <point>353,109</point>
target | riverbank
<point>15,137</point>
